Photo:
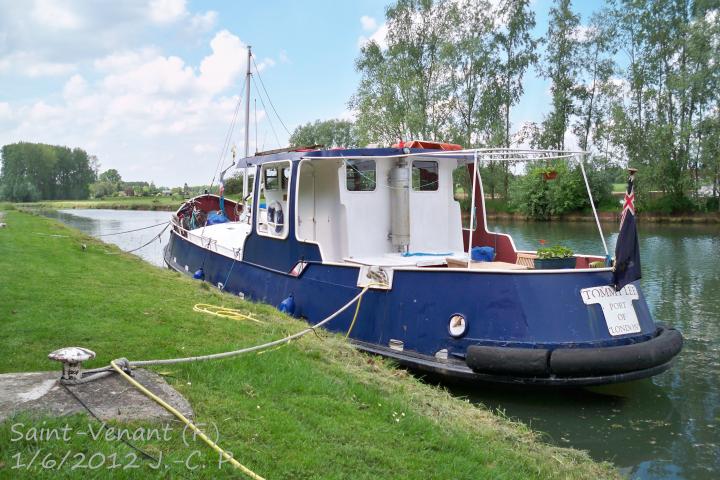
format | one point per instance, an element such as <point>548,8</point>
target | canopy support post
<point>592,204</point>
<point>472,208</point>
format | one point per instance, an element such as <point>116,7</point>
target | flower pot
<point>550,175</point>
<point>554,263</point>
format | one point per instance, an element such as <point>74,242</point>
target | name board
<point>617,307</point>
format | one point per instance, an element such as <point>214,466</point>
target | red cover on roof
<point>428,145</point>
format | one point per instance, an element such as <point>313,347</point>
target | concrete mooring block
<point>110,398</point>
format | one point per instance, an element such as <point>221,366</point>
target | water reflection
<point>103,222</point>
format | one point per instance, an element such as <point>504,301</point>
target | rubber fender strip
<point>575,362</point>
<point>526,362</point>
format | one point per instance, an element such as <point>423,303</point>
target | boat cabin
<point>389,207</point>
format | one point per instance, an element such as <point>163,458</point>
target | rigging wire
<point>272,127</point>
<point>156,237</point>
<point>262,84</point>
<point>228,136</point>
<point>130,231</point>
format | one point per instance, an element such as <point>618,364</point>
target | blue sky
<point>149,86</point>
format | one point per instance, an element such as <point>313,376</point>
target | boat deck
<point>398,260</point>
<point>229,235</point>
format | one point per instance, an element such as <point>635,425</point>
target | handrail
<point>483,154</point>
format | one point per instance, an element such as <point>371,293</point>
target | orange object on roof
<point>428,145</point>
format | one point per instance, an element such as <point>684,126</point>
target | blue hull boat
<point>321,225</point>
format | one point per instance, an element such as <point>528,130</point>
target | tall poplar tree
<point>560,65</point>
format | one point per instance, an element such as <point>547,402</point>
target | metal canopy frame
<point>481,155</point>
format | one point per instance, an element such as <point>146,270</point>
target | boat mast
<point>247,122</point>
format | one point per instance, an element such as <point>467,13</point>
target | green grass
<point>113,203</point>
<point>498,205</point>
<point>313,409</point>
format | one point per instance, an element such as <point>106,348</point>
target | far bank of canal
<point>666,427</point>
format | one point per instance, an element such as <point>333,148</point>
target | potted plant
<point>549,173</point>
<point>554,257</point>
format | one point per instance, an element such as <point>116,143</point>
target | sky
<point>150,86</point>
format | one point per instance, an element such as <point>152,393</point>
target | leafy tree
<point>38,171</point>
<point>111,176</point>
<point>596,52</point>
<point>102,189</point>
<point>330,133</point>
<point>518,54</point>
<point>403,89</point>
<point>560,66</point>
<point>473,86</point>
<point>671,90</point>
<point>234,184</point>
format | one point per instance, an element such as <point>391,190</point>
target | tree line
<point>35,171</point>
<point>637,84</point>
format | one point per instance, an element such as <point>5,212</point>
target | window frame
<point>346,170</point>
<point>412,177</point>
<point>279,165</point>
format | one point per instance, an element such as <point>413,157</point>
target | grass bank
<point>116,203</point>
<point>499,209</point>
<point>313,409</point>
<point>614,217</point>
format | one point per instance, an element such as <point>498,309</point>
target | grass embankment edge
<point>314,409</point>
<point>168,204</point>
<point>495,211</point>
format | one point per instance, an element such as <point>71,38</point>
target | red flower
<point>542,242</point>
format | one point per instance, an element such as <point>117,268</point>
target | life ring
<point>275,217</point>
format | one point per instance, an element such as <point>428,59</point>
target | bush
<point>21,191</point>
<point>542,199</point>
<point>712,204</point>
<point>666,205</point>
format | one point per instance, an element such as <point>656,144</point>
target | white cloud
<point>583,33</point>
<point>55,14</point>
<point>167,11</point>
<point>30,65</point>
<point>48,69</point>
<point>167,75</point>
<point>5,111</point>
<point>265,63</point>
<point>203,22</point>
<point>75,87</point>
<point>219,70</point>
<point>204,148</point>
<point>123,60</point>
<point>150,112</point>
<point>369,24</point>
<point>379,36</point>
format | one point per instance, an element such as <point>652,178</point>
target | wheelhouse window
<point>273,200</point>
<point>424,176</point>
<point>272,182</point>
<point>360,175</point>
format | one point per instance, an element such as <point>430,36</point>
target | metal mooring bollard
<point>72,358</point>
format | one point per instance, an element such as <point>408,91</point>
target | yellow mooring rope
<point>224,312</point>
<point>187,422</point>
<point>235,315</point>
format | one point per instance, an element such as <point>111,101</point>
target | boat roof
<point>333,153</point>
<point>486,154</point>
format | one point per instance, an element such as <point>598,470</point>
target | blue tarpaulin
<point>216,217</point>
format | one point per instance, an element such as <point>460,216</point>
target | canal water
<point>106,223</point>
<point>667,427</point>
